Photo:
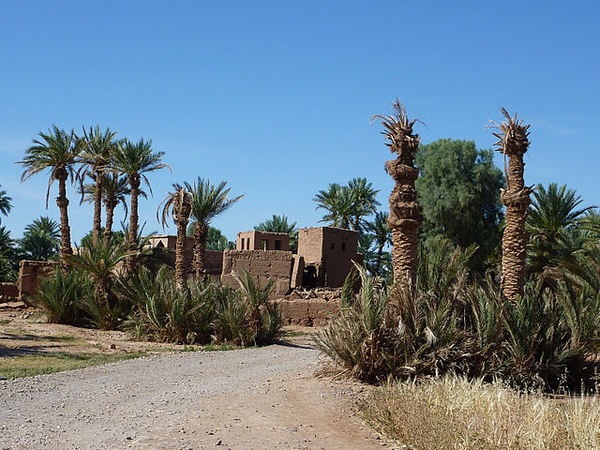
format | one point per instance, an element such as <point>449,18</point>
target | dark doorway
<point>309,277</point>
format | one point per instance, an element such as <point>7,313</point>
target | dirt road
<point>264,398</point>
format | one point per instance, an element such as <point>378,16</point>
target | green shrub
<point>165,314</point>
<point>60,296</point>
<point>455,325</point>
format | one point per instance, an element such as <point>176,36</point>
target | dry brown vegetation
<point>453,413</point>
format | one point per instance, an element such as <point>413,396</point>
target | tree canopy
<point>459,191</point>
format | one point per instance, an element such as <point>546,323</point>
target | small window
<point>242,243</point>
<point>332,246</point>
<point>343,246</point>
<point>277,244</point>
<point>265,245</point>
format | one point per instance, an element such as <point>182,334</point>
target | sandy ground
<point>263,398</point>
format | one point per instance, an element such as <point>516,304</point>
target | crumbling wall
<point>262,265</point>
<point>311,308</point>
<point>30,275</point>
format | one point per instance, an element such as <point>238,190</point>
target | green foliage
<point>348,206</point>
<point>5,204</point>
<point>103,262</point>
<point>217,240</point>
<point>166,314</point>
<point>459,191</point>
<point>553,224</point>
<point>41,240</point>
<point>452,324</point>
<point>61,296</point>
<point>9,264</point>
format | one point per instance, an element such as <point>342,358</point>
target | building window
<point>343,246</point>
<point>332,246</point>
<point>264,244</point>
<point>277,244</point>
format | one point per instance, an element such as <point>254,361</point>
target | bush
<point>165,314</point>
<point>453,325</point>
<point>60,296</point>
<point>246,317</point>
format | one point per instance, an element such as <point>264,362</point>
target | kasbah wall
<point>306,284</point>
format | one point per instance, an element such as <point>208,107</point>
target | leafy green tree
<point>135,160</point>
<point>5,204</point>
<point>55,151</point>
<point>364,199</point>
<point>96,149</point>
<point>41,240</point>
<point>209,201</point>
<point>459,191</point>
<point>280,224</point>
<point>216,240</point>
<point>553,225</point>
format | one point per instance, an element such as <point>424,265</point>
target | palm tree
<point>380,231</point>
<point>5,204</point>
<point>8,258</point>
<point>405,217</point>
<point>179,204</point>
<point>339,203</point>
<point>280,224</point>
<point>364,199</point>
<point>135,159</point>
<point>41,240</point>
<point>513,142</point>
<point>97,147</point>
<point>209,201</point>
<point>115,189</point>
<point>56,151</point>
<point>552,224</point>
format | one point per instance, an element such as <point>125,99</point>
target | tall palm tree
<point>135,160</point>
<point>97,147</point>
<point>209,201</point>
<point>5,204</point>
<point>179,205</point>
<point>513,142</point>
<point>405,216</point>
<point>280,224</point>
<point>56,151</point>
<point>338,201</point>
<point>364,199</point>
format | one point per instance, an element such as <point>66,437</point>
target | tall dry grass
<point>454,413</point>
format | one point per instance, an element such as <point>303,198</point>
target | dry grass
<point>453,413</point>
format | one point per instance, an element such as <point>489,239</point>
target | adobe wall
<point>330,251</point>
<point>262,265</point>
<point>30,274</point>
<point>9,292</point>
<point>339,250</point>
<point>262,240</point>
<point>312,308</point>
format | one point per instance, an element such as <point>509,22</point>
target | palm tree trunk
<point>200,236</point>
<point>110,214</point>
<point>405,220</point>
<point>134,183</point>
<point>513,142</point>
<point>97,225</point>
<point>180,247</point>
<point>63,205</point>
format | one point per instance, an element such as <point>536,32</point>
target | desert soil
<point>259,398</point>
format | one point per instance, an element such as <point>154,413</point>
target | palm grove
<point>486,277</point>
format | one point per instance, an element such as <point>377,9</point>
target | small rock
<point>219,442</point>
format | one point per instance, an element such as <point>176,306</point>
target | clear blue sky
<point>275,97</point>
